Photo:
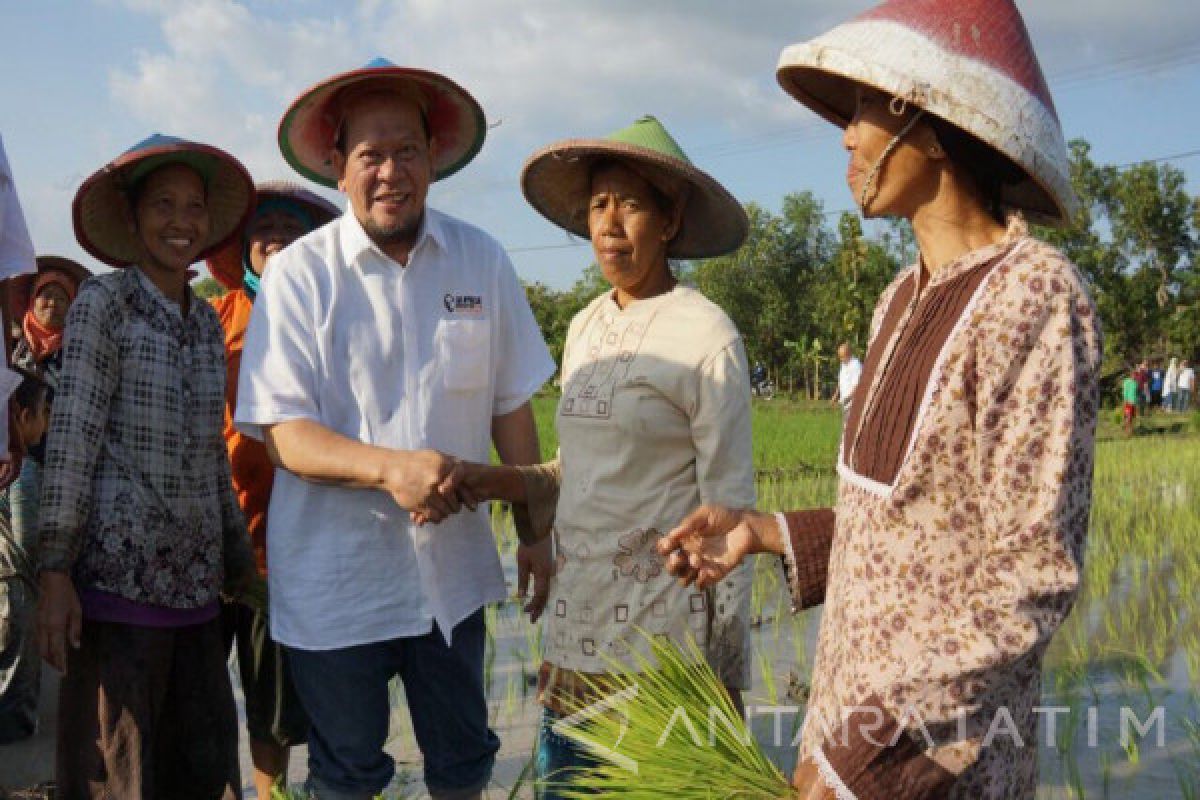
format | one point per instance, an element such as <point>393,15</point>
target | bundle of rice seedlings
<point>667,728</point>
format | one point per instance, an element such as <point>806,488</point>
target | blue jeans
<point>345,693</point>
<point>558,759</point>
<point>1183,400</point>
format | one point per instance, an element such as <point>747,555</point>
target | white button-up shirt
<point>411,357</point>
<point>16,250</point>
<point>849,374</point>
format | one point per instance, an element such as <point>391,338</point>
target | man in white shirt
<point>848,375</point>
<point>1187,385</point>
<point>383,347</point>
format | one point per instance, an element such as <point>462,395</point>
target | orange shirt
<point>253,472</point>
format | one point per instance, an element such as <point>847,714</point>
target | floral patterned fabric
<point>946,585</point>
<point>136,493</point>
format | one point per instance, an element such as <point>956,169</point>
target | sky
<point>83,80</point>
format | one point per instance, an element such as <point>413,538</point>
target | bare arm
<point>315,453</point>
<point>515,436</point>
<point>516,440</point>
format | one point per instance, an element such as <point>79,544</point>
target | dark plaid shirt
<point>136,494</point>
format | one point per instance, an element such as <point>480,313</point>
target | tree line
<point>799,286</point>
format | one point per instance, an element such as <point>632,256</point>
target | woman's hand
<point>713,539</point>
<point>535,563</point>
<point>59,618</point>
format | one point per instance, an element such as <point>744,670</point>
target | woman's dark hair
<point>662,200</point>
<point>987,168</point>
<point>31,391</point>
<point>133,191</point>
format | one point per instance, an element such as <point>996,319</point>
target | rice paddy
<point>1120,677</point>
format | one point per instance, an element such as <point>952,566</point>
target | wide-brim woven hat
<point>100,210</point>
<point>21,286</point>
<point>969,62</point>
<point>309,126</point>
<point>556,181</point>
<point>225,263</point>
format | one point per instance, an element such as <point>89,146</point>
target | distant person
<point>41,301</point>
<point>1187,384</point>
<point>1142,375</point>
<point>849,374</point>
<point>758,375</point>
<point>20,667</point>
<point>1170,385</point>
<point>1129,397</point>
<point>1156,384</point>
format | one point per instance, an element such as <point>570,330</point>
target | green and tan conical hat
<point>556,182</point>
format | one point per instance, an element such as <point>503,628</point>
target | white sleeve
<point>278,380</point>
<point>16,249</point>
<point>522,362</point>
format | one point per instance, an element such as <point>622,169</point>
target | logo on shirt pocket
<point>466,304</point>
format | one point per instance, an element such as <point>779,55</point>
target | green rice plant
<point>1133,637</point>
<point>766,675</point>
<point>676,735</point>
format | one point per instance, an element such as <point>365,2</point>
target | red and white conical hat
<point>969,62</point>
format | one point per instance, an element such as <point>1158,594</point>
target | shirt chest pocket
<point>464,349</point>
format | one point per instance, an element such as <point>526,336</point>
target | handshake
<point>432,485</point>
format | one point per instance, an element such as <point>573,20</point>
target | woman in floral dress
<point>954,551</point>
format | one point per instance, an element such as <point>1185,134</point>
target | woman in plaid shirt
<point>139,525</point>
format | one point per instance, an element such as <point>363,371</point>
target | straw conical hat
<point>969,62</point>
<point>308,127</point>
<point>99,209</point>
<point>21,286</point>
<point>555,181</point>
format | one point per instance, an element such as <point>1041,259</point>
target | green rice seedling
<point>676,735</point>
<point>510,696</point>
<point>489,645</point>
<point>766,675</point>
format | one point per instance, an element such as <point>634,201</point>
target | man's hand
<point>535,561</point>
<point>423,483</point>
<point>59,618</point>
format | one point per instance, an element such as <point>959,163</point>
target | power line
<point>575,243</point>
<point>1174,157</point>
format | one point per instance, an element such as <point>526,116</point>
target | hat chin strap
<point>887,152</point>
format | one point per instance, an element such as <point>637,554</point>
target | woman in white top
<point>1170,385</point>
